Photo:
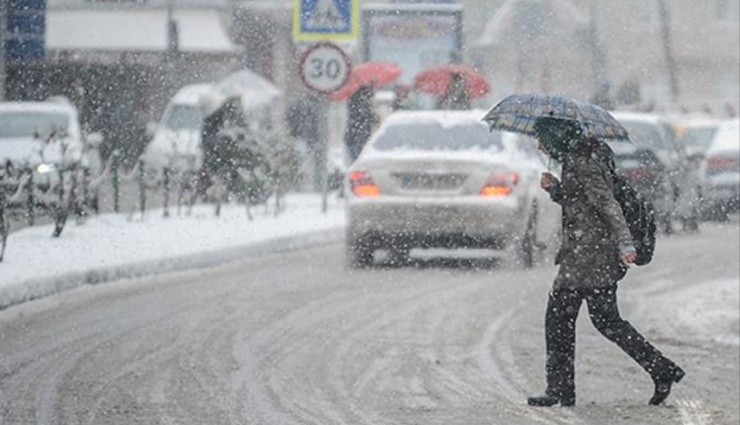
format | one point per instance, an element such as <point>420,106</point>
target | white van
<point>176,140</point>
<point>45,136</point>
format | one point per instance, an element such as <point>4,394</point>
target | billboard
<point>414,37</point>
<point>25,29</point>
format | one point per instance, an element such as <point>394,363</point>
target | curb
<point>42,287</point>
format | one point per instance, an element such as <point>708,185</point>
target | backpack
<point>640,216</point>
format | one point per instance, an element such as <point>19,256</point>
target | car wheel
<point>359,255</point>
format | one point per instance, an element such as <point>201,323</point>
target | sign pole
<point>325,67</point>
<point>3,51</point>
<point>323,114</point>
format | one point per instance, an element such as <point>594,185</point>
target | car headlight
<point>45,168</point>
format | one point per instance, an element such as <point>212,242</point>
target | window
<point>726,10</point>
<point>184,117</point>
<point>436,137</point>
<point>32,124</point>
<point>645,135</point>
<point>647,12</point>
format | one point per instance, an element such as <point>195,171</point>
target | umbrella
<point>519,112</point>
<point>375,74</point>
<point>436,81</point>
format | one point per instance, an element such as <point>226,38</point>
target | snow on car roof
<point>37,107</point>
<point>637,116</point>
<point>191,94</point>
<point>699,122</point>
<point>727,137</point>
<point>445,118</point>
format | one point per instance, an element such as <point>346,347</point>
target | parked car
<point>696,134</point>
<point>176,139</point>
<point>720,172</point>
<point>441,179</point>
<point>656,165</point>
<point>44,136</point>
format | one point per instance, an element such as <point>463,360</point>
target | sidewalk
<point>110,247</point>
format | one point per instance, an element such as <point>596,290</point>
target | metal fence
<point>31,196</point>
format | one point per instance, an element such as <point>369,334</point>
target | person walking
<point>457,96</point>
<point>361,119</point>
<point>596,251</point>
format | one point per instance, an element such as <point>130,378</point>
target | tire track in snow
<point>495,357</point>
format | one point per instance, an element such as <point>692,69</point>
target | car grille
<point>430,181</point>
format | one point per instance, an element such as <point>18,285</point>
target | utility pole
<point>665,23</point>
<point>3,28</point>
<point>173,49</point>
<point>598,61</point>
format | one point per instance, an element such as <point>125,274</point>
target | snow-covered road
<point>297,338</point>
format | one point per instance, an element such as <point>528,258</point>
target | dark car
<point>653,163</point>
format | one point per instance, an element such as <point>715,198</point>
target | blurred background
<point>120,61</point>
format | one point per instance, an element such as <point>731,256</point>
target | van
<point>44,136</point>
<point>176,139</point>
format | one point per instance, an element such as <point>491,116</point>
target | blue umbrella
<point>519,112</point>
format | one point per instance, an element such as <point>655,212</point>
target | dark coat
<point>594,228</point>
<point>361,118</point>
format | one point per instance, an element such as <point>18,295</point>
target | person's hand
<point>548,181</point>
<point>628,258</point>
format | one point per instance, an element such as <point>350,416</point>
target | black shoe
<point>548,400</point>
<point>663,386</point>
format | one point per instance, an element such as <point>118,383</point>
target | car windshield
<point>436,137</point>
<point>184,117</point>
<point>31,124</point>
<point>645,135</point>
<point>699,137</point>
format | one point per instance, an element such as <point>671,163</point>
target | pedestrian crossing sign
<point>326,20</point>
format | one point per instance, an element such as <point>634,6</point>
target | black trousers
<point>560,335</point>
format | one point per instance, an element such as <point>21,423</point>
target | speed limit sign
<point>325,68</point>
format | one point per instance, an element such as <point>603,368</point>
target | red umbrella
<point>367,74</point>
<point>436,81</point>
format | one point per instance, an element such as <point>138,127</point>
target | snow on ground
<point>708,311</point>
<point>113,246</point>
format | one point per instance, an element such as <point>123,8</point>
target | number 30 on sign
<point>325,68</point>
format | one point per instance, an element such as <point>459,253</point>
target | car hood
<point>169,147</point>
<point>181,142</point>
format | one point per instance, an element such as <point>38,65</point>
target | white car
<point>441,179</point>
<point>45,136</point>
<point>720,171</point>
<point>176,140</point>
<point>696,134</point>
